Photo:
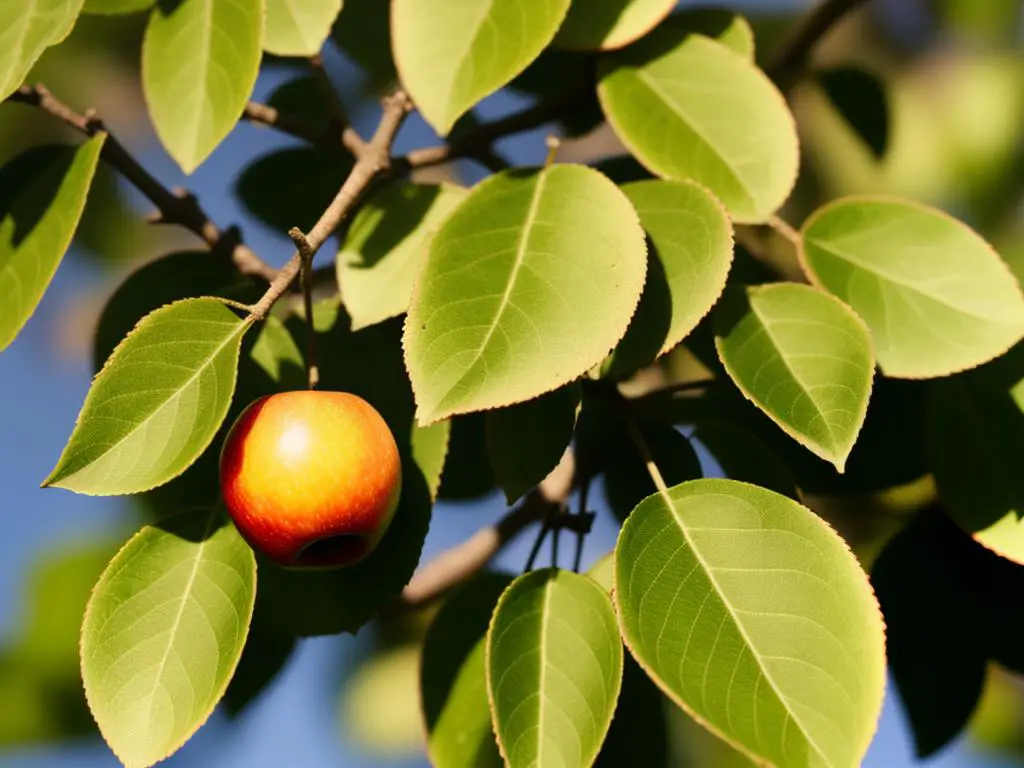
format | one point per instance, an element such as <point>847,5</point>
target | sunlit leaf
<point>688,264</point>
<point>935,295</point>
<point>801,357</point>
<point>528,284</point>
<point>975,431</point>
<point>27,28</point>
<point>554,669</point>
<point>453,686</point>
<point>163,633</point>
<point>278,356</point>
<point>526,441</point>
<point>430,449</point>
<point>384,246</point>
<point>298,27</point>
<point>608,24</point>
<point>199,64</point>
<point>42,195</point>
<point>450,61</point>
<point>157,403</point>
<point>753,615</point>
<point>688,107</point>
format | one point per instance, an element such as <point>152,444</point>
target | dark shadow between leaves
<point>29,184</point>
<point>650,325</point>
<point>389,232</point>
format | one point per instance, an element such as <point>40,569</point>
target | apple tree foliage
<point>622,309</point>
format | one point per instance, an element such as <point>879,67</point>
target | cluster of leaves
<point>526,300</point>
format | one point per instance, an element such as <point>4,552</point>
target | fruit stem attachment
<point>552,142</point>
<point>306,254</point>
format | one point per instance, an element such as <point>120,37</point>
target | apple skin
<point>311,479</point>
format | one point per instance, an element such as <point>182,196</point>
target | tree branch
<point>175,207</point>
<point>451,568</point>
<point>372,160</point>
<point>329,138</point>
<point>790,60</point>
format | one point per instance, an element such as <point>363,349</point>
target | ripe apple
<point>311,478</point>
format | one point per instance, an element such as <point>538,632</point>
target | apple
<point>311,478</point>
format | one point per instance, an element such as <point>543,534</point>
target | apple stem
<point>307,252</point>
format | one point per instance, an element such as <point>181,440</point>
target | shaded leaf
<point>608,24</point>
<point>975,430</point>
<point>927,584</point>
<point>453,686</point>
<point>298,27</point>
<point>935,295</point>
<point>526,441</point>
<point>554,669</point>
<point>363,32</point>
<point>291,187</point>
<point>384,246</point>
<point>157,403</point>
<point>302,97</point>
<point>743,456</point>
<point>801,357</point>
<point>467,473</point>
<point>859,96</point>
<point>688,107</point>
<point>527,285</point>
<point>200,59</point>
<point>42,195</point>
<point>551,76</point>
<point>639,733</point>
<point>164,631</point>
<point>27,28</point>
<point>266,653</point>
<point>687,267</point>
<point>450,61</point>
<point>728,28</point>
<point>189,274</point>
<point>756,619</point>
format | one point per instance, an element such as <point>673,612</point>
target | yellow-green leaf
<point>27,28</point>
<point>298,27</point>
<point>607,24</point>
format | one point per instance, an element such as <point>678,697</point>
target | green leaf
<point>385,244</point>
<point>116,7</point>
<point>752,614</point>
<point>429,450</point>
<point>527,285</point>
<point>467,473</point>
<point>450,61</point>
<point>801,357</point>
<point>27,28</point>
<point>189,274</point>
<point>298,27</point>
<point>975,429</point>
<point>291,187</point>
<point>526,441</point>
<point>728,28</point>
<point>453,687</point>
<point>859,96</point>
<point>936,297</point>
<point>686,273</point>
<point>42,195</point>
<point>690,108</point>
<point>200,59</point>
<point>157,403</point>
<point>163,633</point>
<point>554,669</point>
<point>608,24</point>
<point>278,356</point>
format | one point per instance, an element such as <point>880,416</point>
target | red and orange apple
<point>311,479</point>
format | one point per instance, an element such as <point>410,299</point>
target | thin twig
<point>545,529</point>
<point>175,207</point>
<point>782,227</point>
<point>307,253</point>
<point>581,535</point>
<point>462,561</point>
<point>790,60</point>
<point>645,451</point>
<point>373,160</point>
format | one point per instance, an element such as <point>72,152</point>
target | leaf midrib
<point>677,518</point>
<point>488,7</point>
<point>881,274</point>
<point>55,477</point>
<point>767,332</point>
<point>521,252</point>
<point>176,625</point>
